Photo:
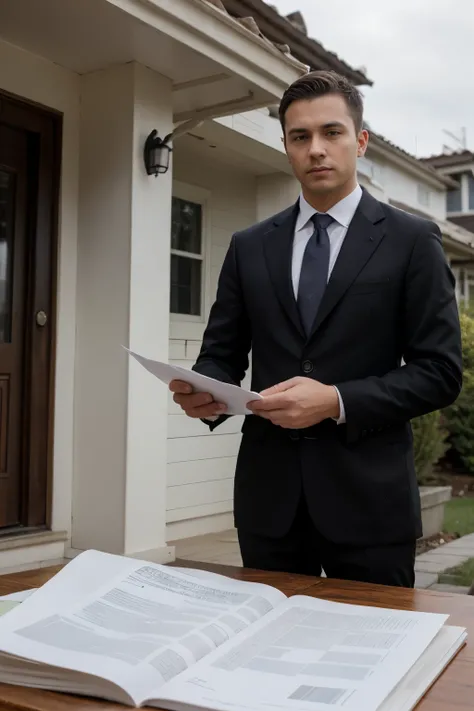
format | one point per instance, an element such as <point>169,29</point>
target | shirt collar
<point>343,211</point>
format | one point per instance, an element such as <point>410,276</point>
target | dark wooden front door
<point>27,209</point>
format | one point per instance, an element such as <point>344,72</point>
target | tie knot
<point>321,220</point>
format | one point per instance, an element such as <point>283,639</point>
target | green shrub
<point>459,418</point>
<point>429,444</point>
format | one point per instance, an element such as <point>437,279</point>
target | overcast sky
<point>418,53</point>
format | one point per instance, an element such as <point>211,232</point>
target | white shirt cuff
<point>342,413</point>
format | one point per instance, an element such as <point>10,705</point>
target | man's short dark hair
<point>321,83</point>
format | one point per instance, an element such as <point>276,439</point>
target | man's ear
<point>362,141</point>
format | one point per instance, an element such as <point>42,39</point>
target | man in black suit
<point>348,308</point>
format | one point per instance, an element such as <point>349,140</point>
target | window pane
<point>186,226</point>
<point>185,296</point>
<point>470,182</point>
<point>453,197</point>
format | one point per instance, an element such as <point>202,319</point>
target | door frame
<point>44,126</point>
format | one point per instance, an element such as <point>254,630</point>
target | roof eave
<point>411,164</point>
<point>307,50</point>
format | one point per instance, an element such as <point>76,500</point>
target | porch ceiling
<point>206,148</point>
<point>217,66</point>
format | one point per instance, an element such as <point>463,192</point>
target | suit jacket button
<point>308,367</point>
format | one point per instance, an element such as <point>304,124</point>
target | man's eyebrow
<point>331,124</point>
<point>298,130</point>
<point>334,124</point>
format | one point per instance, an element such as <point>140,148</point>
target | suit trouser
<point>305,551</point>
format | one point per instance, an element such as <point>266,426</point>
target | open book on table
<point>144,634</point>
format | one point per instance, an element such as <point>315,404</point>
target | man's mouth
<point>319,171</point>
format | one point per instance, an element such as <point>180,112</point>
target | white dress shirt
<point>342,214</point>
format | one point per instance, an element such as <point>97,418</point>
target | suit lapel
<point>278,248</point>
<point>364,235</point>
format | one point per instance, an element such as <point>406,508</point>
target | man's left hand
<point>297,403</point>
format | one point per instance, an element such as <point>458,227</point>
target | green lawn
<point>459,519</point>
<point>459,516</point>
<point>460,575</point>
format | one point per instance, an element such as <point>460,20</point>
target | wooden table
<point>454,690</point>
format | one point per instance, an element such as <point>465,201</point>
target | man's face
<point>322,144</point>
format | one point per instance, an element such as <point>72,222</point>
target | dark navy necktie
<point>314,271</point>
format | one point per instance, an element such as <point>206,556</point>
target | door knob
<point>41,318</point>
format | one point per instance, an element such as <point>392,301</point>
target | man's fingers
<point>278,401</point>
<point>194,400</point>
<point>277,417</point>
<point>178,386</point>
<point>207,411</point>
<point>279,388</point>
<point>199,405</point>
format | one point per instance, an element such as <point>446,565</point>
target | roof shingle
<point>447,160</point>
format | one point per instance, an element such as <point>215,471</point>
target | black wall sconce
<point>156,153</point>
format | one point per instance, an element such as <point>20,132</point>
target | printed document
<point>235,398</point>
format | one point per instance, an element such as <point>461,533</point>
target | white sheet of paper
<point>233,397</point>
<point>17,596</point>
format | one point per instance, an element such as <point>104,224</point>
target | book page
<point>427,669</point>
<point>140,628</point>
<point>308,654</point>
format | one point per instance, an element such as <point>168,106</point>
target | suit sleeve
<point>431,377</point>
<point>226,343</point>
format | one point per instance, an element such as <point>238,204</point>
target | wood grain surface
<point>454,690</point>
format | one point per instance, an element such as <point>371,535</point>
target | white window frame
<point>469,284</point>
<point>199,196</point>
<point>461,275</point>
<point>465,209</point>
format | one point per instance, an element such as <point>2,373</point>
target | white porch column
<point>123,296</point>
<point>145,495</point>
<point>275,193</point>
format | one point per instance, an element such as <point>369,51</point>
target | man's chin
<point>321,184</point>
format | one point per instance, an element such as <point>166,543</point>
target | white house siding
<point>200,465</point>
<point>402,186</point>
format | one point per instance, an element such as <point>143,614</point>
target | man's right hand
<point>198,405</point>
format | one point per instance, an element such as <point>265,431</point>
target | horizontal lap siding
<point>201,464</point>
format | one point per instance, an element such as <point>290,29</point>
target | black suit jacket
<point>390,299</point>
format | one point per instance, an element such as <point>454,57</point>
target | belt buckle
<point>297,435</point>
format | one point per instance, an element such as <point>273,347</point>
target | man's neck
<point>322,202</point>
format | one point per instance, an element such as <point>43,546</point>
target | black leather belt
<point>324,429</point>
<point>259,426</point>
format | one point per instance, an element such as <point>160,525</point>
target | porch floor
<point>220,547</point>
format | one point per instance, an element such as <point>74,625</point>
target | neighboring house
<point>459,167</point>
<point>83,83</point>
<point>417,186</point>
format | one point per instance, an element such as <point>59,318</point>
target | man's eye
<point>301,138</point>
<point>334,133</point>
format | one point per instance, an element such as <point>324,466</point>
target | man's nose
<point>317,147</point>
